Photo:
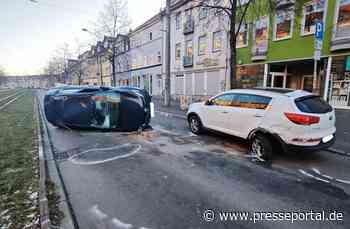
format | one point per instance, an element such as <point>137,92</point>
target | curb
<point>339,152</point>
<point>52,171</point>
<point>172,115</point>
<point>43,201</point>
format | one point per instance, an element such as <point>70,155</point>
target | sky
<point>31,32</point>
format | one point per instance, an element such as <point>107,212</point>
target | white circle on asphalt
<point>103,155</point>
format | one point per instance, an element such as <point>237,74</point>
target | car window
<point>313,105</point>
<point>223,100</point>
<point>252,101</point>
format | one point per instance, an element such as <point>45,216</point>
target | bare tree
<point>113,20</point>
<point>58,63</point>
<point>239,12</point>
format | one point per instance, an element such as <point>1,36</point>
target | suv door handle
<point>225,112</point>
<point>258,116</point>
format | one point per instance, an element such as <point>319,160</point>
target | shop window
<point>217,41</point>
<point>178,52</point>
<point>202,45</point>
<point>283,24</point>
<point>343,19</point>
<point>312,12</point>
<point>242,38</point>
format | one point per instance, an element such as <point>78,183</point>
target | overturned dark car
<point>120,109</point>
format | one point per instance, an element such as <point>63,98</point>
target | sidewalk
<point>342,145</point>
<point>174,109</point>
<point>343,131</point>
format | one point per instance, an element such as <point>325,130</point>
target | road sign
<point>319,30</point>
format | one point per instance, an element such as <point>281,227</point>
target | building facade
<point>140,57</point>
<point>278,50</point>
<point>199,51</point>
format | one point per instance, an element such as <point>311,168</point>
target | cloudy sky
<point>30,32</point>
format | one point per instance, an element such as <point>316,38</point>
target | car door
<point>252,112</point>
<point>217,112</point>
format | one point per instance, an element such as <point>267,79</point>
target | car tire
<point>195,124</point>
<point>261,147</point>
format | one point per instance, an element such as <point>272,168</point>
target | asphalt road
<point>168,178</point>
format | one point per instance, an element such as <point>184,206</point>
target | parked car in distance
<point>97,107</point>
<point>270,119</point>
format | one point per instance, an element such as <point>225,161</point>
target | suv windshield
<point>313,104</point>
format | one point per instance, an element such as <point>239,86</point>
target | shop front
<point>339,92</point>
<point>250,76</point>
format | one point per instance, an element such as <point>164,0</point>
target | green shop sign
<point>347,67</point>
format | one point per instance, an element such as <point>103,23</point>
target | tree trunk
<point>233,54</point>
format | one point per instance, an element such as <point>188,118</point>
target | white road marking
<point>312,176</point>
<point>76,161</point>
<point>121,225</point>
<point>321,174</point>
<point>329,177</point>
<point>343,181</point>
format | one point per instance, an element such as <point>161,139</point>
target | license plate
<point>152,110</point>
<point>327,139</point>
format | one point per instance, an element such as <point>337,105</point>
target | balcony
<point>188,27</point>
<point>188,61</point>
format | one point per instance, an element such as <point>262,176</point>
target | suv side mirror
<point>208,102</point>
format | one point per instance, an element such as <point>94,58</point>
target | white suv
<point>270,118</point>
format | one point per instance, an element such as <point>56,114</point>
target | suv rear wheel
<point>195,124</point>
<point>261,147</point>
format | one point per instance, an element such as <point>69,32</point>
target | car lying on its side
<point>98,108</point>
<point>269,119</point>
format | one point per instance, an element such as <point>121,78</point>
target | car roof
<point>272,92</point>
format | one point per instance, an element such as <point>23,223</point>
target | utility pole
<point>167,93</point>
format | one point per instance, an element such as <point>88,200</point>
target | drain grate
<point>65,155</point>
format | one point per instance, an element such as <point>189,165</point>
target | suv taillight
<point>301,119</point>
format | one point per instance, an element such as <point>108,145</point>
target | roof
<point>272,92</point>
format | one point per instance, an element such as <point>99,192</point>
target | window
<point>203,11</point>
<point>150,36</point>
<point>252,101</point>
<point>188,14</point>
<point>313,105</point>
<point>202,45</point>
<point>343,19</point>
<point>159,57</point>
<point>283,24</point>
<point>217,41</point>
<point>223,100</point>
<point>178,21</point>
<point>217,12</point>
<point>242,38</point>
<point>189,48</point>
<point>178,52</point>
<point>313,11</point>
<point>260,36</point>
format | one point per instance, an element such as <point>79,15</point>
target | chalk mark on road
<point>76,160</point>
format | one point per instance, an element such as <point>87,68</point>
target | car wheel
<point>195,124</point>
<point>261,147</point>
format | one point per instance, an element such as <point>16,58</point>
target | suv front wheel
<point>261,147</point>
<point>195,124</point>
